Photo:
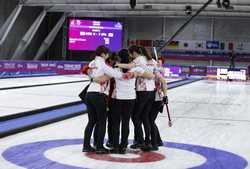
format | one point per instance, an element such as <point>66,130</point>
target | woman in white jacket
<point>96,100</point>
<point>123,103</point>
<point>145,91</point>
<point>160,99</point>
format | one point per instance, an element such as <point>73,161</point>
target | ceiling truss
<point>121,8</point>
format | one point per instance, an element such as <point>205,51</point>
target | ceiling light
<point>132,4</point>
<point>219,5</point>
<point>188,10</point>
<point>226,4</point>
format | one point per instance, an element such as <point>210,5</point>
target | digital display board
<point>89,34</point>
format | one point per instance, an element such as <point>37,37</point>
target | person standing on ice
<point>145,91</point>
<point>161,98</point>
<point>96,101</point>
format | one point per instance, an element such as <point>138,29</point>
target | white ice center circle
<point>72,155</point>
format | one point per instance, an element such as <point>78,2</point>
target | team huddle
<point>124,86</point>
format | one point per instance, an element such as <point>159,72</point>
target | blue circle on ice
<point>31,155</point>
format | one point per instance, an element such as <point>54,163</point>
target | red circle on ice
<point>144,157</point>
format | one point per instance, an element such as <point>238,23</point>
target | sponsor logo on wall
<point>32,66</point>
<point>213,44</point>
<point>9,65</point>
<point>72,66</point>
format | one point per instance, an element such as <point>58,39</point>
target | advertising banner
<point>200,71</point>
<point>45,68</point>
<point>211,70</point>
<point>29,68</point>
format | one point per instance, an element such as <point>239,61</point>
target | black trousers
<point>141,115</point>
<point>97,115</point>
<point>155,135</point>
<point>121,111</point>
<point>110,126</point>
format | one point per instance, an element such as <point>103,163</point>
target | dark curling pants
<point>110,127</point>
<point>97,115</point>
<point>155,135</point>
<point>110,123</point>
<point>121,111</point>
<point>141,116</point>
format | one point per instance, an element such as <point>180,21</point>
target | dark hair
<point>134,48</point>
<point>112,58</point>
<point>124,58</point>
<point>101,49</point>
<point>145,53</point>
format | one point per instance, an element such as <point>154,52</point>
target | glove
<point>165,99</point>
<point>161,108</point>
